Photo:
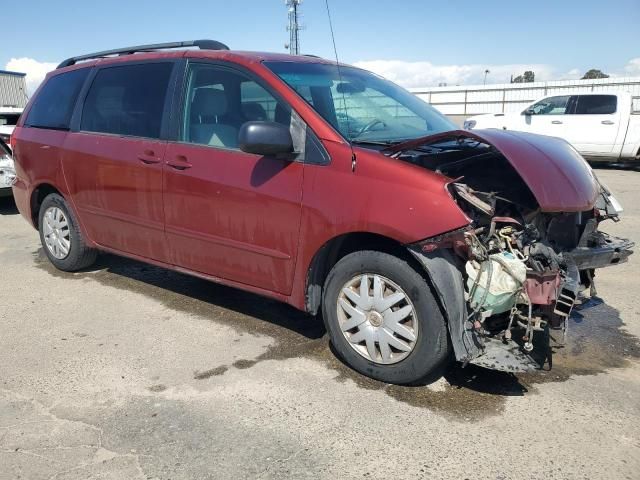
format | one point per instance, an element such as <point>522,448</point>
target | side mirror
<point>265,138</point>
<point>529,111</point>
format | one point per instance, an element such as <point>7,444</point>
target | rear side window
<point>127,100</point>
<point>54,104</point>
<point>596,104</point>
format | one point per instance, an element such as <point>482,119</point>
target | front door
<point>230,214</point>
<point>113,164</point>
<point>547,117</point>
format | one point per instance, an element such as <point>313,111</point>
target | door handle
<point>148,157</point>
<point>556,122</point>
<point>179,163</point>
<point>608,122</point>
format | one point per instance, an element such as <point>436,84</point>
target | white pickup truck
<point>600,125</point>
<point>8,119</point>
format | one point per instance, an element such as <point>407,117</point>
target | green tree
<point>594,73</point>
<point>526,77</point>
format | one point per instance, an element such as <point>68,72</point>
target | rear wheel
<point>61,237</point>
<point>383,319</point>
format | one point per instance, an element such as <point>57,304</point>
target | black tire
<point>432,346</point>
<point>80,255</point>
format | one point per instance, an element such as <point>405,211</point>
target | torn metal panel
<point>448,283</point>
<point>604,250</point>
<point>505,357</point>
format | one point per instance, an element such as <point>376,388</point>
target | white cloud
<point>425,74</point>
<point>633,67</point>
<point>573,74</point>
<point>420,74</point>
<point>34,69</point>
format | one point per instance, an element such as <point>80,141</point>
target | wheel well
<point>37,197</point>
<point>337,248</point>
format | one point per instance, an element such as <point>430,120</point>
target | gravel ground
<point>128,371</point>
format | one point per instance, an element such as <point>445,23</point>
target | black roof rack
<point>201,44</point>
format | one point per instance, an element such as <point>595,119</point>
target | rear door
<point>113,159</point>
<point>231,214</point>
<point>593,127</point>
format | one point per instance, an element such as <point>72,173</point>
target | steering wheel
<point>369,126</point>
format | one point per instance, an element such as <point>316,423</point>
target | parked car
<point>7,170</point>
<point>600,125</point>
<point>8,119</point>
<point>328,188</point>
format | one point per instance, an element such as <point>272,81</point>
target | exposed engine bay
<point>523,269</point>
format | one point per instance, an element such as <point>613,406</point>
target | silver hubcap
<point>377,318</point>
<point>56,233</point>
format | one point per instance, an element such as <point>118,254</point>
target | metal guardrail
<point>504,91</point>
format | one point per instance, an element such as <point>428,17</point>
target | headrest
<point>209,101</point>
<point>254,111</point>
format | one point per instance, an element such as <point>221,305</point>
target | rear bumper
<point>609,251</point>
<point>22,197</point>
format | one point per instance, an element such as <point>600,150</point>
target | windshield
<point>362,106</point>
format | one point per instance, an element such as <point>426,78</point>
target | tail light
<point>12,142</point>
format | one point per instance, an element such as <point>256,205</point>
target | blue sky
<point>413,41</point>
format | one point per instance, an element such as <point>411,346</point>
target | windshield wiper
<point>382,143</point>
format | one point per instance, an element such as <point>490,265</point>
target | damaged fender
<point>448,283</point>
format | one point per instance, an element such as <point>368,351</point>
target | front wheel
<point>383,319</point>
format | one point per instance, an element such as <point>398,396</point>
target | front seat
<point>207,109</point>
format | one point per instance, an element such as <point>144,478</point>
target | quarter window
<point>54,104</point>
<point>596,104</point>
<point>127,100</point>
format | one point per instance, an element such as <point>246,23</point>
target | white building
<point>13,89</point>
<point>461,102</point>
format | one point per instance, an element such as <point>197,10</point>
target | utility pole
<point>486,72</point>
<point>294,26</point>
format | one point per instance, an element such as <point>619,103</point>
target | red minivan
<point>320,185</point>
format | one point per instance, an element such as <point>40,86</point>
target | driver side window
<point>219,101</point>
<point>551,106</point>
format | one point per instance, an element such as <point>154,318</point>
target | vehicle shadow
<point>8,206</point>
<point>194,295</point>
<point>634,167</point>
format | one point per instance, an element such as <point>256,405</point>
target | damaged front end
<point>513,276</point>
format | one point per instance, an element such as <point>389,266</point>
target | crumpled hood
<point>559,178</point>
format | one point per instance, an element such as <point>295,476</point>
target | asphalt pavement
<point>128,371</point>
